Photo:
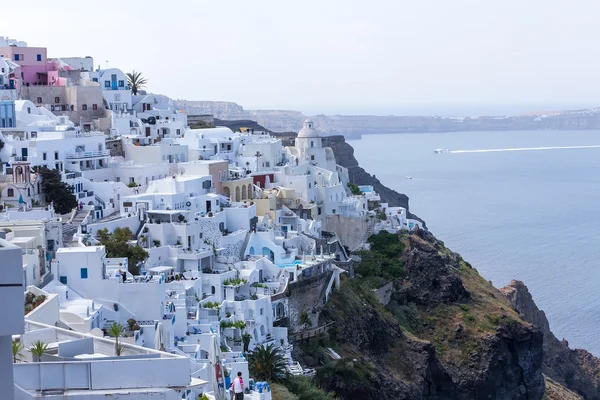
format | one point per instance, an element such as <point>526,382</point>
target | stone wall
<point>116,147</point>
<point>351,231</point>
<point>384,293</point>
<point>305,294</point>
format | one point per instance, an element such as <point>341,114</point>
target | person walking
<point>238,387</point>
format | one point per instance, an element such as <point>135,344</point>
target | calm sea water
<point>527,215</point>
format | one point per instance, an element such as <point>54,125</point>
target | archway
<point>243,192</point>
<point>237,193</point>
<point>268,253</point>
<point>252,251</point>
<point>226,191</point>
<point>250,191</point>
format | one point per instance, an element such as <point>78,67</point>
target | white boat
<point>409,177</point>
<point>441,151</point>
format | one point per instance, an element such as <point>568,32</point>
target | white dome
<point>308,130</point>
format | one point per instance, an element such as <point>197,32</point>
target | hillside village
<point>180,246</point>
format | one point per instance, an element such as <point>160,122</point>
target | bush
<point>132,185</point>
<point>305,389</point>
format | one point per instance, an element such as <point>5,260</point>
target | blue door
<point>113,81</point>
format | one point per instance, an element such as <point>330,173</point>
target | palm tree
<point>117,330</point>
<point>17,348</point>
<point>136,81</point>
<point>267,363</point>
<point>38,349</point>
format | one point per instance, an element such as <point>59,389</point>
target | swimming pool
<point>291,265</point>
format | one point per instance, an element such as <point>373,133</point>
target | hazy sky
<point>396,56</point>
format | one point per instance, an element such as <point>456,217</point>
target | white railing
<point>88,154</point>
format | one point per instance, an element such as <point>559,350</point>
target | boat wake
<point>525,149</point>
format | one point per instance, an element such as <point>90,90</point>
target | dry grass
<point>477,317</point>
<point>554,391</point>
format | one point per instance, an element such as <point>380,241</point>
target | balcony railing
<point>88,154</point>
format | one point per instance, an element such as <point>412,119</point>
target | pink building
<point>35,68</point>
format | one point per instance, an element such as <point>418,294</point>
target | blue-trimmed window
<point>84,273</point>
<point>106,83</point>
<point>121,83</point>
<point>16,57</point>
<point>63,280</point>
<point>39,57</point>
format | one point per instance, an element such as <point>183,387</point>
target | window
<point>63,280</point>
<point>16,57</point>
<point>84,273</point>
<point>333,211</point>
<point>261,311</point>
<point>117,97</point>
<point>95,107</point>
<point>118,179</point>
<point>84,107</point>
<point>220,176</point>
<point>39,57</point>
<point>309,185</point>
<point>94,79</point>
<point>107,84</point>
<point>312,157</point>
<point>44,156</point>
<point>39,100</point>
<point>11,192</point>
<point>57,100</point>
<point>312,144</point>
<point>28,110</point>
<point>121,83</point>
<point>56,155</point>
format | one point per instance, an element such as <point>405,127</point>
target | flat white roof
<point>160,269</point>
<point>83,249</point>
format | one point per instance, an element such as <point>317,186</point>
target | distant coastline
<point>355,126</point>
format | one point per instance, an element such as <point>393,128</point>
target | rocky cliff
<point>447,333</point>
<point>576,369</point>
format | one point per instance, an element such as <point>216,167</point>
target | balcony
<point>88,154</point>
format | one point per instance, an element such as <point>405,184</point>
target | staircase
<point>70,228</point>
<point>246,240</point>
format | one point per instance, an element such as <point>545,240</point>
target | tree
<point>117,330</point>
<point>246,337</point>
<point>267,363</point>
<point>57,191</point>
<point>117,246</point>
<point>17,348</point>
<point>136,81</point>
<point>38,349</point>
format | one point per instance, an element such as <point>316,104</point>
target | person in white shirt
<point>238,387</point>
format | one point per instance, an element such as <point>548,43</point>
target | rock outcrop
<point>578,370</point>
<point>446,334</point>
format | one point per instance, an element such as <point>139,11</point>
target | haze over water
<point>527,215</point>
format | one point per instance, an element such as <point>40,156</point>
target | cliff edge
<point>575,369</point>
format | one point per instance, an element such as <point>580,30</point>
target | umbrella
<point>158,338</point>
<point>214,357</point>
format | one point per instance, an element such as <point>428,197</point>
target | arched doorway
<point>237,193</point>
<point>250,191</point>
<point>243,192</point>
<point>226,191</point>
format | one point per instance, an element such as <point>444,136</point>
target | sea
<point>529,210</point>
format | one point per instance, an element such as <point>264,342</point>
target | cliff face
<point>576,369</point>
<point>447,333</point>
<point>344,156</point>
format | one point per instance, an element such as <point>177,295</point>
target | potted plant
<point>117,330</point>
<point>17,348</point>
<point>38,349</point>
